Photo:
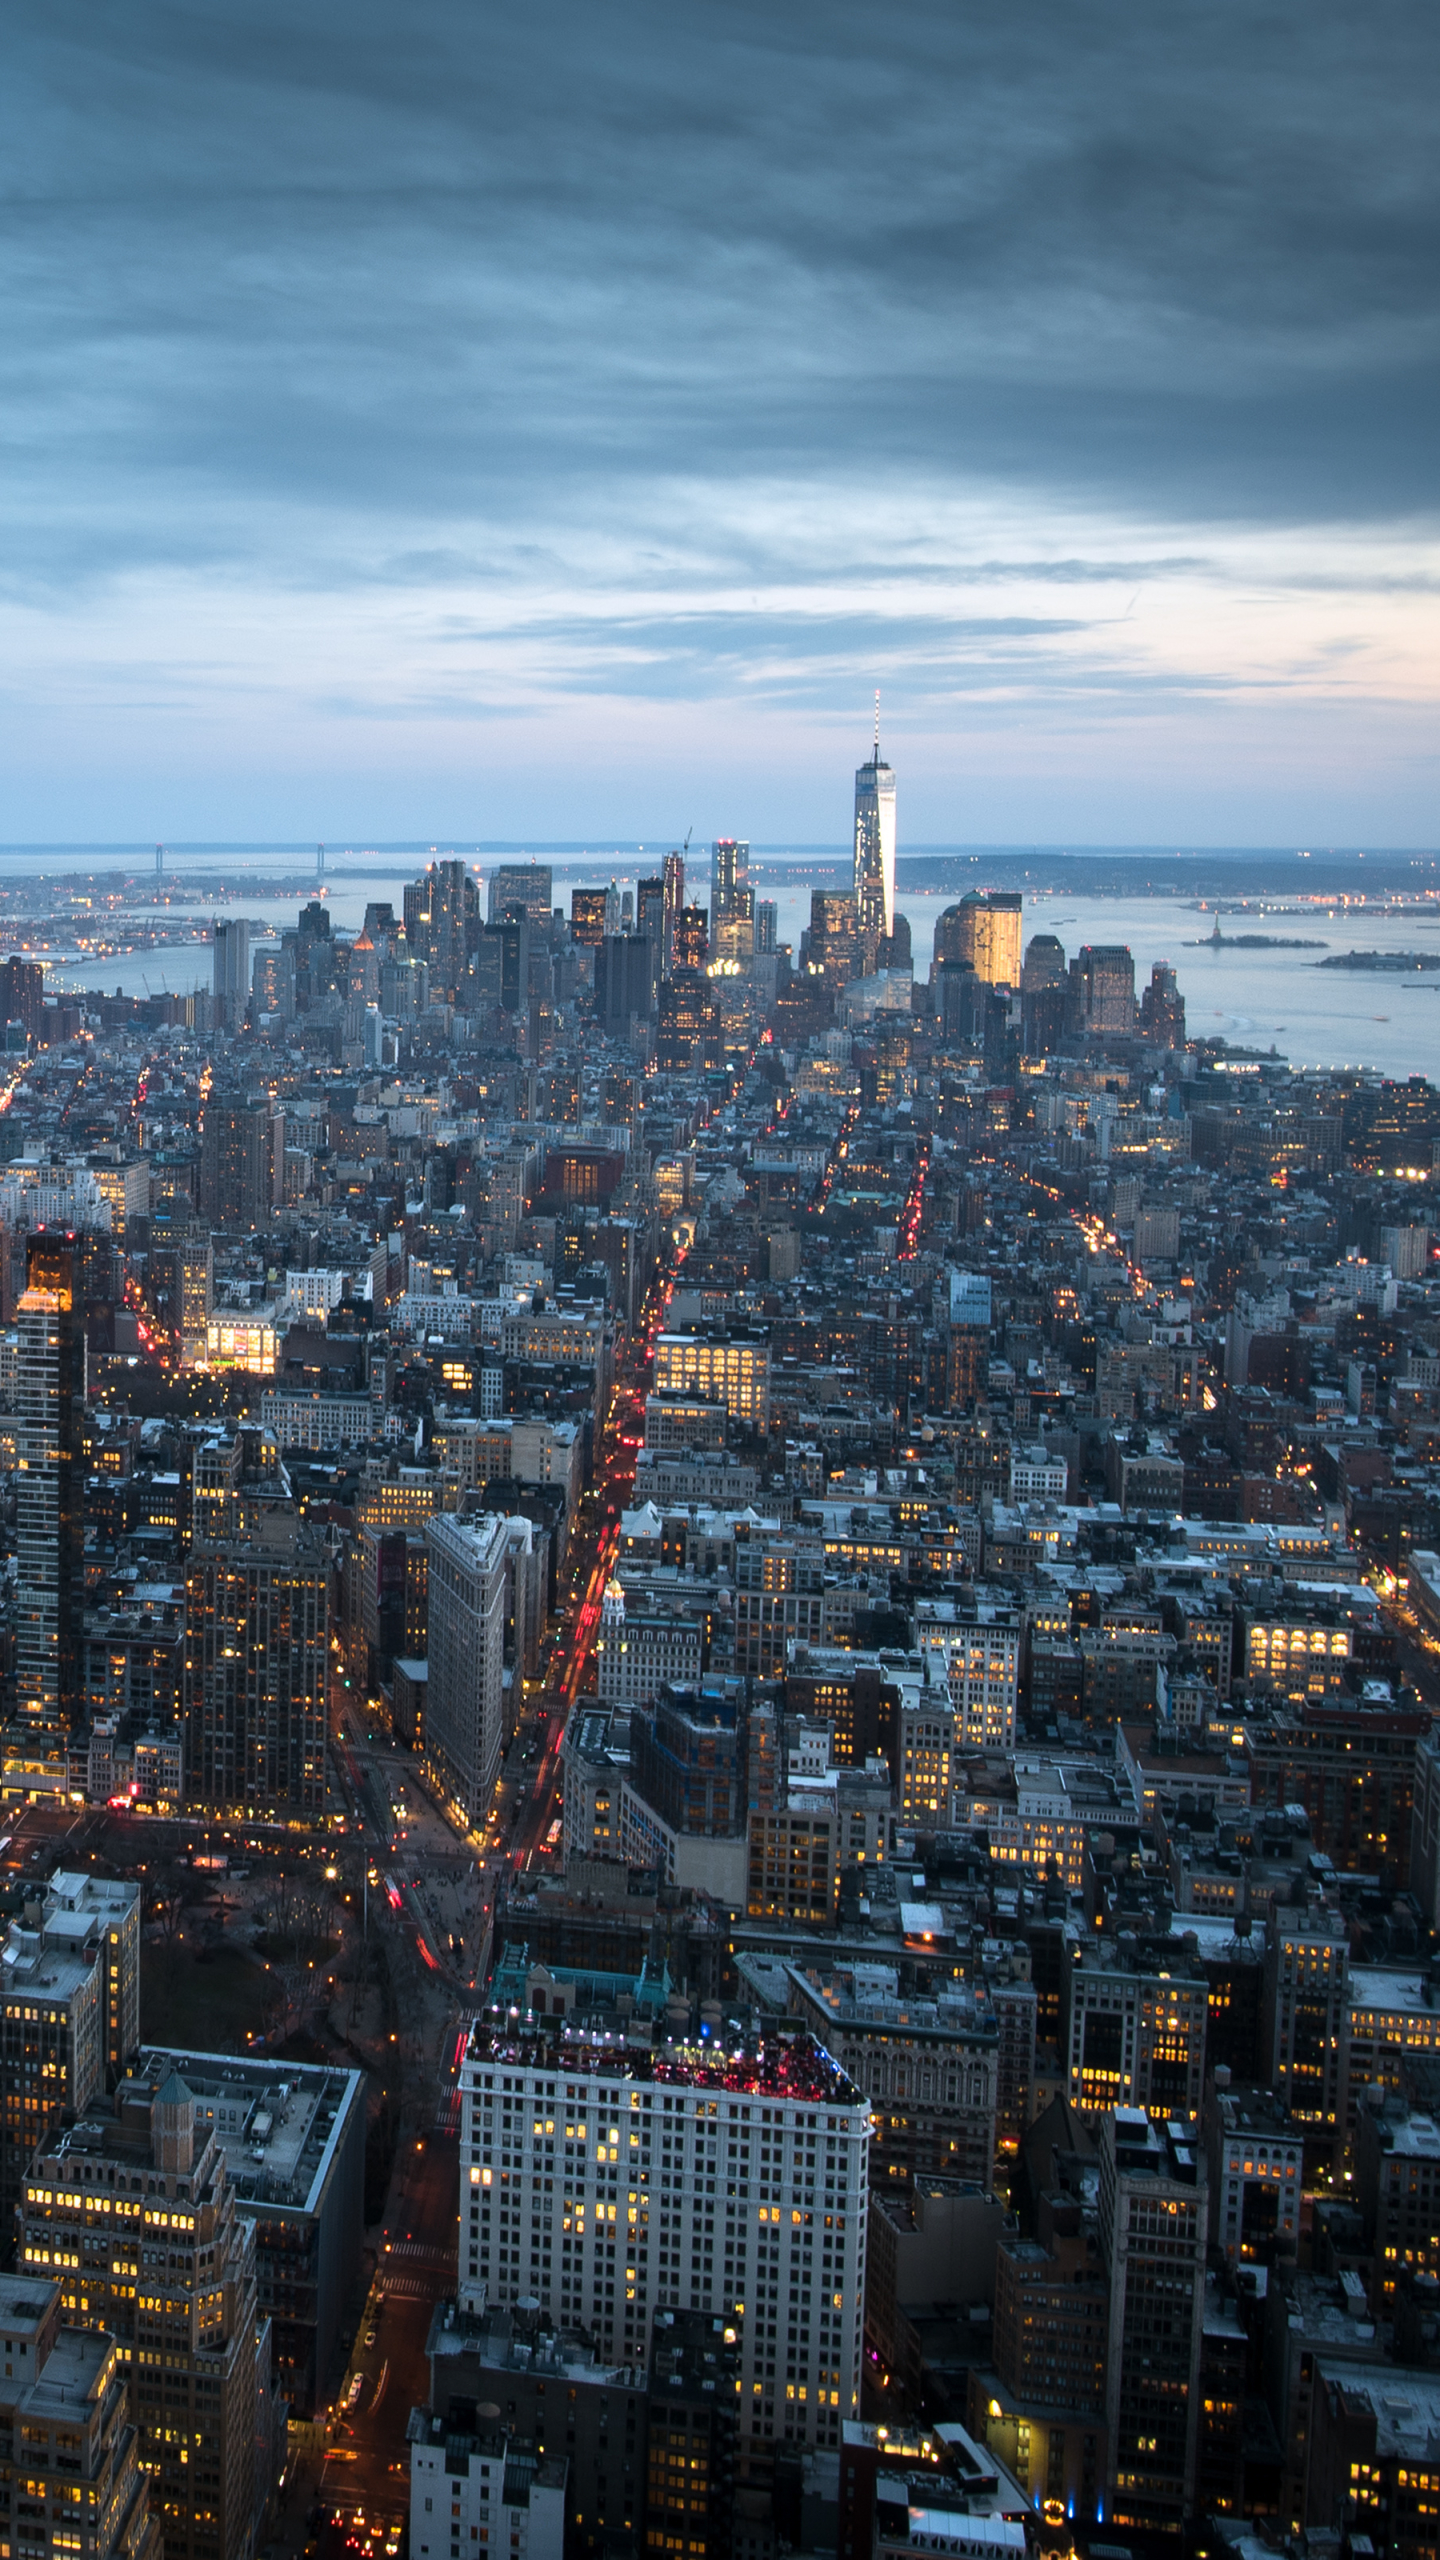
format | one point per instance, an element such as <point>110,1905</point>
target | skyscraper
<point>22,992</point>
<point>442,925</point>
<point>650,920</point>
<point>465,1702</point>
<point>1044,963</point>
<point>195,1265</point>
<point>988,927</point>
<point>1305,2014</point>
<point>834,948</point>
<point>232,972</point>
<point>730,891</point>
<point>588,911</point>
<point>272,979</point>
<point>875,843</point>
<point>1103,983</point>
<point>50,1484</point>
<point>188,2329</point>
<point>502,962</point>
<point>521,884</point>
<point>1162,1009</point>
<point>673,874</point>
<point>688,1030</point>
<point>257,1644</point>
<point>242,1163</point>
<point>624,982</point>
<point>692,939</point>
<point>1152,2218</point>
<point>70,2019</point>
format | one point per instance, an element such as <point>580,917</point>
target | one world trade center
<point>875,844</point>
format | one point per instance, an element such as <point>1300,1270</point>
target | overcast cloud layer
<point>429,418</point>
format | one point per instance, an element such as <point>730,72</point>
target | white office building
<point>481,2496</point>
<point>608,2184</point>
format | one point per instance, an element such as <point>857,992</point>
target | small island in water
<point>1393,963</point>
<point>1218,941</point>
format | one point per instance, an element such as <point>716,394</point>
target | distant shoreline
<point>1393,964</point>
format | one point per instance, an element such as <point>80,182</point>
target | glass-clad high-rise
<point>875,846</point>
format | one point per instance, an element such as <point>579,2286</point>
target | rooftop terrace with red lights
<point>779,2067</point>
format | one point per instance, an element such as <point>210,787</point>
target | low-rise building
<point>1397,2188</point>
<point>929,2065</point>
<point>1256,2159</point>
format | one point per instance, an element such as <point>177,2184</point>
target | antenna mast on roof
<point>877,724</point>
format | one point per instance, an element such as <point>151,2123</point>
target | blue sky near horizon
<point>556,424</point>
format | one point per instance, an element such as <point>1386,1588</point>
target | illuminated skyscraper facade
<point>1104,978</point>
<point>588,911</point>
<point>692,939</point>
<point>730,890</point>
<point>875,846</point>
<point>989,925</point>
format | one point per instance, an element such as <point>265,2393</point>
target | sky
<point>556,423</point>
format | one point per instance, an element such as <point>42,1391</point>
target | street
<point>349,2489</point>
<point>589,1562</point>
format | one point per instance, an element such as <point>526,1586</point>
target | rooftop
<point>866,1996</point>
<point>515,2342</point>
<point>24,2301</point>
<point>75,2371</point>
<point>1374,1986</point>
<point>1406,2406</point>
<point>794,2068</point>
<point>277,2124</point>
<point>1412,2138</point>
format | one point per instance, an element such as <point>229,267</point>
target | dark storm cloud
<point>430,262</point>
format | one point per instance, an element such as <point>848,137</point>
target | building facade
<point>68,2440</point>
<point>49,1495</point>
<point>875,846</point>
<point>1152,2237</point>
<point>130,2209</point>
<point>257,1656</point>
<point>612,2187</point>
<point>465,1693</point>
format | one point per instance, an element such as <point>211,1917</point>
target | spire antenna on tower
<point>877,724</point>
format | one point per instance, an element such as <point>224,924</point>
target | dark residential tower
<point>50,1483</point>
<point>242,1158</point>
